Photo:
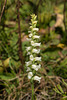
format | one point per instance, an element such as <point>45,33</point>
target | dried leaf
<point>44,93</point>
<point>61,45</point>
<point>59,21</point>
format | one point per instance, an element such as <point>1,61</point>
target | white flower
<point>28,48</point>
<point>36,36</point>
<point>35,29</point>
<point>35,44</point>
<point>36,67</point>
<point>32,43</point>
<point>37,78</point>
<point>36,51</point>
<point>28,53</point>
<point>30,74</point>
<point>35,22</point>
<point>28,63</point>
<point>28,69</point>
<point>30,35</point>
<point>31,57</point>
<point>28,39</point>
<point>29,31</point>
<point>31,27</point>
<point>37,58</point>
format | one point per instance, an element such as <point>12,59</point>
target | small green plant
<point>33,63</point>
<point>58,89</point>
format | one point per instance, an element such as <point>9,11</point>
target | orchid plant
<point>33,65</point>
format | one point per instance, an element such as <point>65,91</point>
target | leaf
<point>52,23</point>
<point>64,82</point>
<point>61,45</point>
<point>0,63</point>
<point>59,21</point>
<point>56,90</point>
<point>60,88</point>
<point>1,70</point>
<point>64,62</point>
<point>6,77</point>
<point>6,62</point>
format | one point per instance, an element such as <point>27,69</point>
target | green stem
<point>32,86</point>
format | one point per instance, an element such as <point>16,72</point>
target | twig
<point>3,10</point>
<point>25,95</point>
<point>19,31</point>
